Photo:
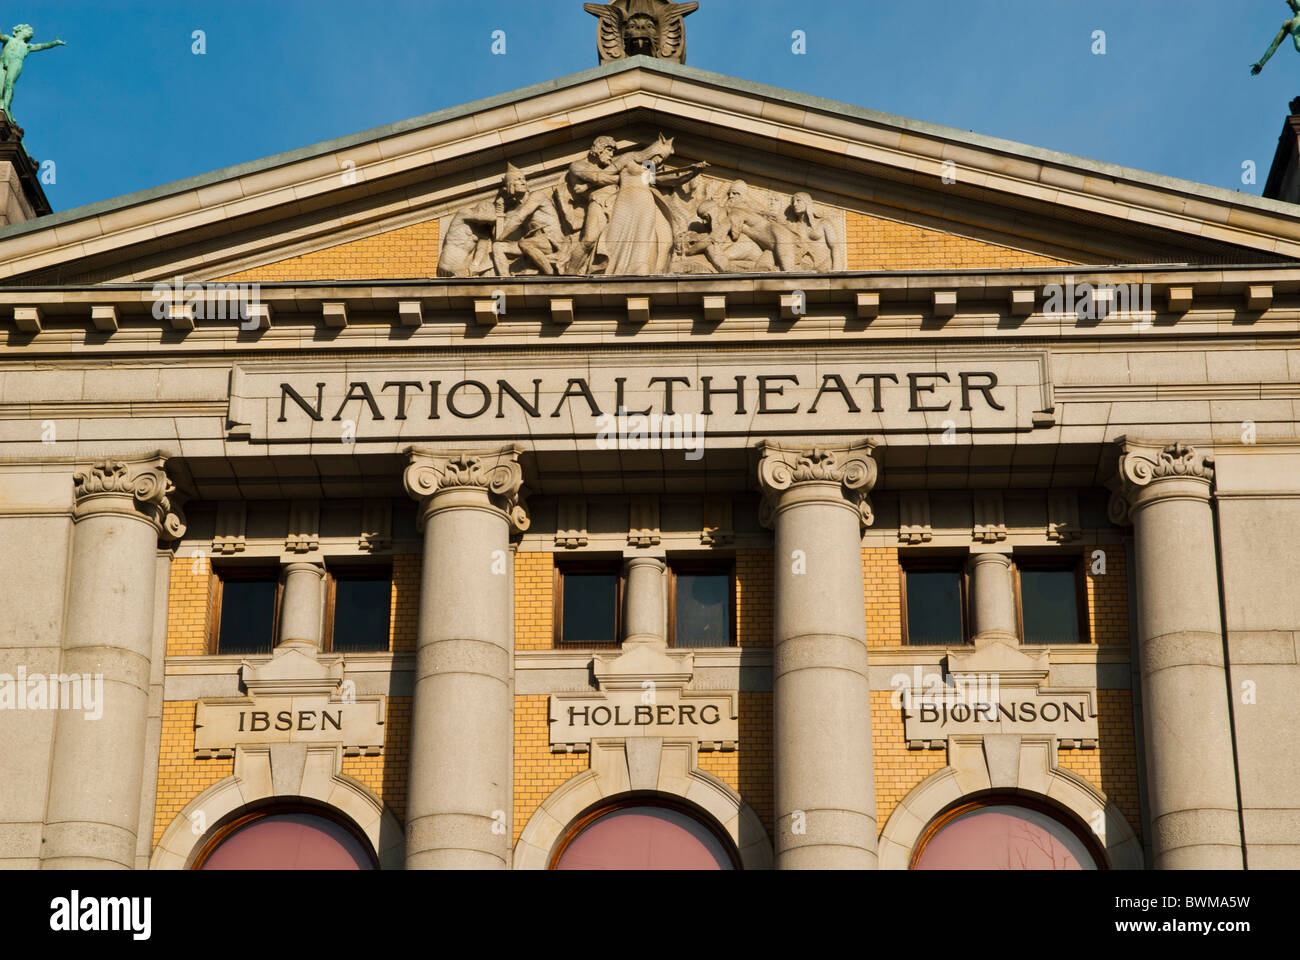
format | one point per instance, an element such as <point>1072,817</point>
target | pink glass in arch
<point>645,838</point>
<point>1005,838</point>
<point>290,841</point>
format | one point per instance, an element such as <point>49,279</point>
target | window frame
<point>244,817</point>
<point>948,563</point>
<point>604,808</point>
<point>220,574</point>
<point>346,569</point>
<point>586,565</point>
<point>1072,563</point>
<point>717,567</point>
<point>959,808</point>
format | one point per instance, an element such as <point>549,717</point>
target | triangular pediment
<point>882,194</point>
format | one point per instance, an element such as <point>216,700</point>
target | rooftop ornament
<point>1291,27</point>
<point>16,49</point>
<point>641,28</point>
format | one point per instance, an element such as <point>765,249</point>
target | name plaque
<point>853,391</point>
<point>221,725</point>
<point>575,719</point>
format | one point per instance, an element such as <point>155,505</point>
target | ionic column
<point>825,788</point>
<point>121,509</point>
<point>1191,781</point>
<point>462,718</point>
<point>302,606</point>
<point>644,611</point>
<point>992,598</point>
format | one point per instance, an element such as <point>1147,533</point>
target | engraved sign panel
<point>221,725</point>
<point>575,719</point>
<point>851,391</point>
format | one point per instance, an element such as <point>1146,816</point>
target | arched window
<point>644,833</point>
<point>1005,833</point>
<point>287,838</point>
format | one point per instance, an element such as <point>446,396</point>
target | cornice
<point>1220,302</point>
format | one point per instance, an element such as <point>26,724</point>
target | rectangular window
<point>934,603</point>
<point>358,608</point>
<point>1052,606</point>
<point>248,604</point>
<point>701,599</point>
<point>588,605</point>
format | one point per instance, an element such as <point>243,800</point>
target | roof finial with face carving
<point>649,28</point>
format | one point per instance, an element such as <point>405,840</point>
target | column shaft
<point>302,606</point>
<point>462,725</point>
<point>1191,780</point>
<point>98,760</point>
<point>643,603</point>
<point>825,785</point>
<point>993,598</point>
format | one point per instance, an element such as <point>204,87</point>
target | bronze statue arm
<point>1277,41</point>
<point>47,46</point>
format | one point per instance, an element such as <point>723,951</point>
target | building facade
<point>651,468</point>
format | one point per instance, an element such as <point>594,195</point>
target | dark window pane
<point>589,609</point>
<point>247,616</point>
<point>361,612</point>
<point>1049,606</point>
<point>934,607</point>
<point>703,610</point>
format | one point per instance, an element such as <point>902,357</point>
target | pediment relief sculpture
<point>638,214</point>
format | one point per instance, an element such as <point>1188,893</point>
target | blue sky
<point>127,105</point>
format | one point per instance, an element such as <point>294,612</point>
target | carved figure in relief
<point>526,224</point>
<point>1291,27</point>
<point>820,246</point>
<point>638,240</point>
<point>585,195</point>
<point>634,214</point>
<point>467,246</point>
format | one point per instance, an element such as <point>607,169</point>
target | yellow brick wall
<point>880,593</point>
<point>385,775</point>
<point>190,599</point>
<point>748,769</point>
<point>408,253</point>
<point>405,610</point>
<point>1112,767</point>
<point>754,598</point>
<point>181,778</point>
<point>1108,595</point>
<point>897,768</point>
<point>534,601</point>
<point>878,244</point>
<point>538,772</point>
